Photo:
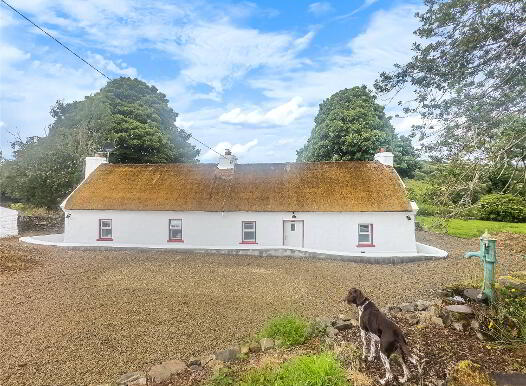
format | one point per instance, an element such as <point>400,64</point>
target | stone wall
<point>53,223</point>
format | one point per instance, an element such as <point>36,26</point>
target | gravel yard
<point>85,317</point>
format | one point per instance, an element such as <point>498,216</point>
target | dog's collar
<point>364,303</point>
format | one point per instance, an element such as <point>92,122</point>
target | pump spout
<point>472,254</point>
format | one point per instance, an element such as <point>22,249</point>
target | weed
<point>222,378</point>
<point>290,330</point>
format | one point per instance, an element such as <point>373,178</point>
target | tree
<point>127,112</point>
<point>132,115</point>
<point>42,174</point>
<point>469,80</point>
<point>351,126</point>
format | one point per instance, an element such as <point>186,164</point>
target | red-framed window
<point>105,230</point>
<point>248,232</point>
<point>175,230</point>
<point>365,235</point>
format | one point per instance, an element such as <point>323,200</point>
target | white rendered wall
<point>8,222</point>
<point>325,231</point>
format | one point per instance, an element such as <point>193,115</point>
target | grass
<point>469,228</point>
<point>289,330</point>
<point>316,370</point>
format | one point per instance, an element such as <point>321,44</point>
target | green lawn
<point>469,228</point>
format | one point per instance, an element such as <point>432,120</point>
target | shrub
<point>505,322</point>
<point>319,370</point>
<point>431,210</point>
<point>290,330</point>
<point>502,207</point>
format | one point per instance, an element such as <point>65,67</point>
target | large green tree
<point>351,126</point>
<point>469,76</point>
<point>131,114</point>
<point>127,113</point>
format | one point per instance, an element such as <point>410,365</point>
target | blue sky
<point>243,75</point>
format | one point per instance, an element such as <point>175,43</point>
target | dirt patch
<point>15,257</point>
<point>86,317</point>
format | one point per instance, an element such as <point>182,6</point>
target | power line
<point>89,64</point>
<point>55,39</point>
<point>205,145</point>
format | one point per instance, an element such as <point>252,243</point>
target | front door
<point>293,233</point>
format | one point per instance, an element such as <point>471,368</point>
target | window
<point>105,231</point>
<point>365,235</point>
<point>292,226</point>
<point>175,230</point>
<point>249,232</point>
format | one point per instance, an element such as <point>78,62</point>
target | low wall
<point>48,224</point>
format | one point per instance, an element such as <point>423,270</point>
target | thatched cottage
<point>336,207</point>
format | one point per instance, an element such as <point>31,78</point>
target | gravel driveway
<point>85,317</point>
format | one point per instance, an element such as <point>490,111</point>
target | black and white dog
<point>382,331</point>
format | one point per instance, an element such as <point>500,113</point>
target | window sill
<point>105,239</point>
<point>365,245</point>
<point>175,241</point>
<point>248,242</point>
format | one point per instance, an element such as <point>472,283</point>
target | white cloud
<point>106,64</point>
<point>281,115</point>
<point>387,39</point>
<point>320,8</point>
<point>11,54</point>
<point>366,4</point>
<point>237,149</point>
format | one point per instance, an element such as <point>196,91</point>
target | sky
<point>243,75</point>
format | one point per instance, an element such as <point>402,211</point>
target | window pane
<point>364,228</point>
<point>248,225</point>
<point>176,234</point>
<point>105,223</point>
<point>176,224</point>
<point>249,236</point>
<point>292,227</point>
<point>364,238</point>
<point>105,233</point>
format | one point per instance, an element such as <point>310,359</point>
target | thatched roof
<point>301,187</point>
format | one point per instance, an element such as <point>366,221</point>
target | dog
<point>382,332</point>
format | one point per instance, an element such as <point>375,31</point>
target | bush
<point>290,330</point>
<point>319,370</point>
<point>502,207</point>
<point>431,210</point>
<point>506,320</point>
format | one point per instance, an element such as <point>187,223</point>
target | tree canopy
<point>351,126</point>
<point>128,113</point>
<point>469,77</point>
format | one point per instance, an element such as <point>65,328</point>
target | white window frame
<point>170,228</point>
<point>370,233</point>
<point>243,239</point>
<point>105,228</point>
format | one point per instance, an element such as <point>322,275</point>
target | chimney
<point>384,157</point>
<point>227,161</point>
<point>93,163</point>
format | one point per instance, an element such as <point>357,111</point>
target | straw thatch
<point>301,187</point>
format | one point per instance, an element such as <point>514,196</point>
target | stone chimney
<point>384,157</point>
<point>93,163</point>
<point>227,161</point>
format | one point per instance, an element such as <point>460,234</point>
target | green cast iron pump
<point>488,256</point>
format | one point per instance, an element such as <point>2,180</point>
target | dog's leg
<point>363,334</point>
<point>388,373</point>
<point>406,371</point>
<point>374,342</point>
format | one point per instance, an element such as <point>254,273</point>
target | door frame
<point>302,231</point>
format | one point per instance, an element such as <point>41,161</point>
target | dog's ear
<point>358,296</point>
